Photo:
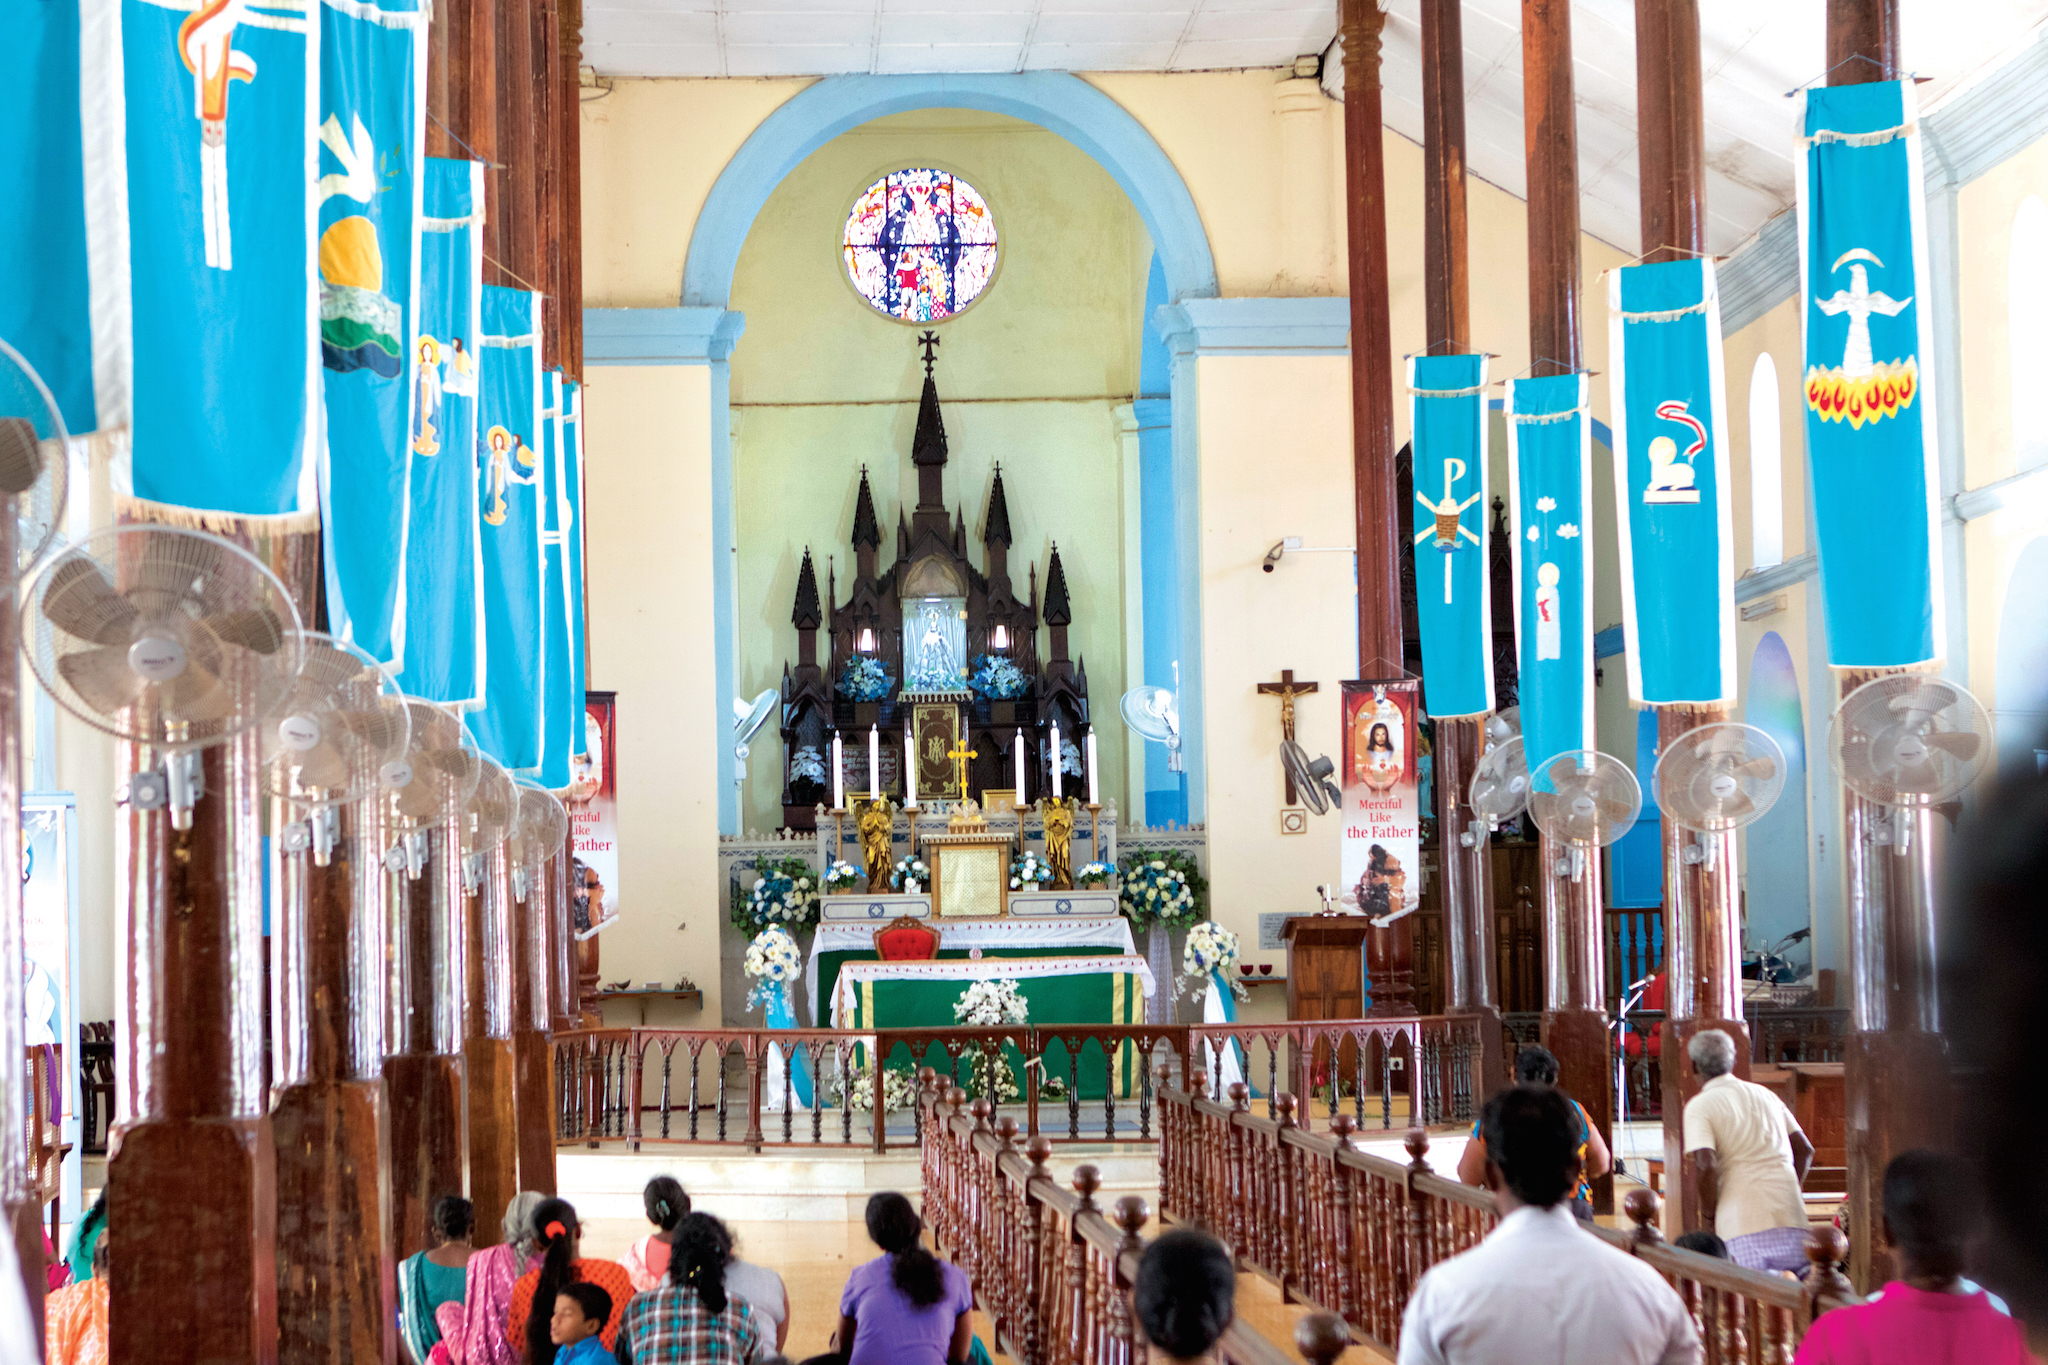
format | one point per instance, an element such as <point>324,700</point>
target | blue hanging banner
<point>1550,489</point>
<point>373,89</point>
<point>572,551</point>
<point>1671,483</point>
<point>444,540</point>
<point>219,103</point>
<point>563,705</point>
<point>509,726</point>
<point>1447,395</point>
<point>1870,433</point>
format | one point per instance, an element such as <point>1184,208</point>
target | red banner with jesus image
<point>1382,857</point>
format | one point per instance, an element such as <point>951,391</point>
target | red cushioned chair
<point>905,939</point>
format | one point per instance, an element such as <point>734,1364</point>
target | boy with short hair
<point>581,1311</point>
<point>1930,1315</point>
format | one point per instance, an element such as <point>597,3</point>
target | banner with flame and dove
<point>373,91</point>
<point>1454,604</point>
<point>221,169</point>
<point>445,626</point>
<point>1671,483</point>
<point>1869,404</point>
<point>1550,491</point>
<point>509,726</point>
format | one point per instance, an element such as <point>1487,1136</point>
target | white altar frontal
<point>1013,943</point>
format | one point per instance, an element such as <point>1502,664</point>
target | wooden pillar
<point>192,1161</point>
<point>515,197</point>
<point>1574,1015</point>
<point>487,1046</point>
<point>1372,395</point>
<point>533,1057</point>
<point>423,1074</point>
<point>544,24</point>
<point>465,36</point>
<point>337,1287</point>
<point>1863,41</point>
<point>1469,951</point>
<point>1702,911</point>
<point>566,203</point>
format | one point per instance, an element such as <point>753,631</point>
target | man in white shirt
<point>1539,1290</point>
<point>1747,1149</point>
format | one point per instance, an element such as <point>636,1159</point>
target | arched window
<point>1766,468</point>
<point>2026,303</point>
<point>919,244</point>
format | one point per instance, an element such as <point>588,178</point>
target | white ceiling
<point>1754,51</point>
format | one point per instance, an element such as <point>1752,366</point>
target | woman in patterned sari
<point>487,1290</point>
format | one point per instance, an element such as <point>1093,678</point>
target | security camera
<point>1280,547</point>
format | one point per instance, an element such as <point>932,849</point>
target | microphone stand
<point>1629,997</point>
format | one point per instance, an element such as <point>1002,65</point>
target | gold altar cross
<point>960,753</point>
<point>1287,689</point>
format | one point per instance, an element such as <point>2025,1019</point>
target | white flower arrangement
<point>988,1004</point>
<point>1210,948</point>
<point>1095,874</point>
<point>857,1089</point>
<point>841,876</point>
<point>1156,891</point>
<point>807,764</point>
<point>1029,871</point>
<point>911,876</point>
<point>785,891</point>
<point>773,960</point>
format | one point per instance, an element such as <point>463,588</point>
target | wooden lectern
<point>1326,966</point>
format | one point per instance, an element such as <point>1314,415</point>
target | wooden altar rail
<point>1346,1231</point>
<point>742,1086</point>
<point>1052,1271</point>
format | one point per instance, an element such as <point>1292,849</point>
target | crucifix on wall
<point>1287,689</point>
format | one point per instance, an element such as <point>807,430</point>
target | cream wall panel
<point>1778,333</point>
<point>651,627</point>
<point>1985,209</point>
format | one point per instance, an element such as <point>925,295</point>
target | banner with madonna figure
<point>509,727</point>
<point>1550,494</point>
<point>1867,394</point>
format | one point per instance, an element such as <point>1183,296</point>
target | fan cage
<point>353,713</point>
<point>35,451</point>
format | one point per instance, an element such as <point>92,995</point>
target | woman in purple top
<point>905,1307</point>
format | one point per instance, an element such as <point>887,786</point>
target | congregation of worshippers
<point>1444,760</point>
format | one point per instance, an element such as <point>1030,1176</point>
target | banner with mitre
<point>219,105</point>
<point>1550,494</point>
<point>444,646</point>
<point>514,592</point>
<point>1869,401</point>
<point>1671,483</point>
<point>1447,394</point>
<point>373,88</point>
<point>1382,831</point>
<point>562,708</point>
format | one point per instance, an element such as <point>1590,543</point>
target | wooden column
<point>423,1074</point>
<point>487,1046</point>
<point>566,204</point>
<point>465,40</point>
<point>1574,1015</point>
<point>545,28</point>
<point>515,189</point>
<point>192,1162</point>
<point>1469,950</point>
<point>533,1057</point>
<point>1372,396</point>
<point>1863,41</point>
<point>1702,911</point>
<point>337,1287</point>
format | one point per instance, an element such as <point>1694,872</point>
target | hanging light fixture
<point>866,643</point>
<point>999,637</point>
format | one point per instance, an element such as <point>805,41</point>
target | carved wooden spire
<point>866,530</point>
<point>1058,611</point>
<point>808,614</point>
<point>997,527</point>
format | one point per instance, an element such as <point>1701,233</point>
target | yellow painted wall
<point>649,498</point>
<point>1030,375</point>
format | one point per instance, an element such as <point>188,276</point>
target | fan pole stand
<point>1703,962</point>
<point>1468,895</point>
<point>194,1165</point>
<point>533,1057</point>
<point>336,1256</point>
<point>24,1217</point>
<point>1574,1009</point>
<point>1896,1094</point>
<point>487,1040</point>
<point>423,1072</point>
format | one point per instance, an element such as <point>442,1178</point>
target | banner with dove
<point>1671,483</point>
<point>1870,431</point>
<point>445,625</point>
<point>1550,492</point>
<point>373,90</point>
<point>563,705</point>
<point>1447,396</point>
<point>221,172</point>
<point>514,587</point>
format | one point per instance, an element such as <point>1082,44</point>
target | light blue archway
<point>1053,100</point>
<point>1775,868</point>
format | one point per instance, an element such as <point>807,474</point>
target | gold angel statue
<point>1059,839</point>
<point>877,825</point>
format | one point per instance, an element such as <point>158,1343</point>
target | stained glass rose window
<point>920,244</point>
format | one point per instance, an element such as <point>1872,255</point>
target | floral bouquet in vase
<point>842,876</point>
<point>1029,873</point>
<point>1162,888</point>
<point>785,892</point>
<point>998,679</point>
<point>911,876</point>
<point>992,1004</point>
<point>773,961</point>
<point>1092,876</point>
<point>1210,953</point>
<point>865,678</point>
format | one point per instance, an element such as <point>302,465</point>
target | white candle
<point>1018,750</point>
<point>1057,762</point>
<point>1094,791</point>
<point>874,762</point>
<point>838,774</point>
<point>909,767</point>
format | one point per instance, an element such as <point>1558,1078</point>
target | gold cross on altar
<point>960,753</point>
